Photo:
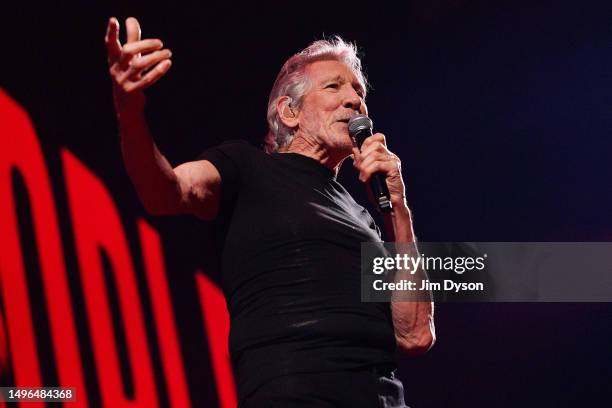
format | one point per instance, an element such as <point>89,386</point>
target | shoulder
<point>233,158</point>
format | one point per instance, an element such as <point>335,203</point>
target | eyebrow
<point>337,78</point>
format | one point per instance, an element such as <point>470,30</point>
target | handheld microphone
<point>360,127</point>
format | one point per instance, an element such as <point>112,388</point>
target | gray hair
<point>293,82</point>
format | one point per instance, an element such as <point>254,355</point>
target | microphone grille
<point>357,123</point>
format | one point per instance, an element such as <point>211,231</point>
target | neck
<point>327,157</point>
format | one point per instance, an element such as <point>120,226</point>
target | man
<point>300,336</point>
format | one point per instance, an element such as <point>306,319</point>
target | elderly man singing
<point>300,336</point>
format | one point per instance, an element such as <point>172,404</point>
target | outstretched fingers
<point>139,65</point>
<point>113,46</point>
<point>152,76</point>
<point>145,62</point>
<point>134,49</point>
<point>133,29</point>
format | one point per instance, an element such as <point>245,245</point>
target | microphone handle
<point>378,183</point>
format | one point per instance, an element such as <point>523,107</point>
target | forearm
<point>411,310</point>
<point>152,175</point>
<point>133,67</point>
<point>398,223</point>
<point>412,318</point>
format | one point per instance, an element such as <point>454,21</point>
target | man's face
<point>334,96</point>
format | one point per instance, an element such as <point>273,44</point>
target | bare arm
<point>192,187</point>
<point>413,321</point>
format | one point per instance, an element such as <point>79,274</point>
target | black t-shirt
<point>291,268</point>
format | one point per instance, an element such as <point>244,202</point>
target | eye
<point>332,85</point>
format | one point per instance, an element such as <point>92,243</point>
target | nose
<point>352,100</point>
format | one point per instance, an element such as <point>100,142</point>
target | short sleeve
<point>233,160</point>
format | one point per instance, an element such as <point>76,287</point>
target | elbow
<point>415,344</point>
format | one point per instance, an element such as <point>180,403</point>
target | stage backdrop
<point>500,114</point>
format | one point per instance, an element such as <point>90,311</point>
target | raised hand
<point>134,66</point>
<point>375,157</point>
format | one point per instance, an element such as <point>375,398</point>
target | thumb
<point>356,155</point>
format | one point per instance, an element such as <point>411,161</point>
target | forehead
<point>320,71</point>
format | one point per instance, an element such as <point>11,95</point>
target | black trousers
<point>373,388</point>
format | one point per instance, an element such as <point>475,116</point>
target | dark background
<point>500,111</point>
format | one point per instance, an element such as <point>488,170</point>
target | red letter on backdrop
<point>164,318</point>
<point>97,226</point>
<point>216,320</point>
<point>20,150</point>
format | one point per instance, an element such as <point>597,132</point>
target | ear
<point>287,114</point>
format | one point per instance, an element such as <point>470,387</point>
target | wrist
<point>400,220</point>
<point>129,106</point>
<point>400,206</point>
